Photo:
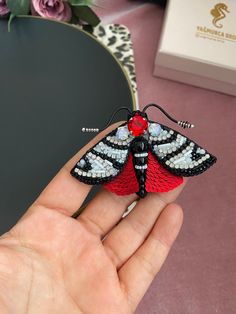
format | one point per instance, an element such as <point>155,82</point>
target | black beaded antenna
<point>183,124</point>
<point>109,121</point>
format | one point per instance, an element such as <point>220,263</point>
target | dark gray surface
<point>54,80</point>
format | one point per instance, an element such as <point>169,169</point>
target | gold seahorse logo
<point>219,13</point>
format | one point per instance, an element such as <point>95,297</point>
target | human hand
<point>99,263</point>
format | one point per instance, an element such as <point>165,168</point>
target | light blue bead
<point>122,133</point>
<point>154,129</point>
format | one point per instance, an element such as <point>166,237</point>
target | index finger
<point>64,193</point>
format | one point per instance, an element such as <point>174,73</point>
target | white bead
<point>81,163</point>
<point>201,151</point>
<point>122,133</point>
<point>154,129</point>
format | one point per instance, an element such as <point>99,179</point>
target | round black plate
<point>54,80</point>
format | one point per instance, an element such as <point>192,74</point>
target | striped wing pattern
<point>104,161</point>
<point>178,154</point>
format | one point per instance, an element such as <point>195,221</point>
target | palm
<point>52,263</point>
<point>66,265</point>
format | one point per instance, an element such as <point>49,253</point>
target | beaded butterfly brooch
<point>142,156</point>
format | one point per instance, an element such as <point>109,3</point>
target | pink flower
<point>3,8</point>
<point>53,9</point>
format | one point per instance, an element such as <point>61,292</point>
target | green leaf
<point>87,15</point>
<point>12,16</point>
<point>19,7</point>
<point>81,2</point>
<point>88,28</point>
<point>74,19</point>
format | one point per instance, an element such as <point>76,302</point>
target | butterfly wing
<point>105,160</point>
<point>177,153</point>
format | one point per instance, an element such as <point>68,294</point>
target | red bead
<point>137,125</point>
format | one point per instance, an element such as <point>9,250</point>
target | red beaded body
<point>143,173</point>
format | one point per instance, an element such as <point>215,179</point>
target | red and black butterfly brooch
<point>142,156</point>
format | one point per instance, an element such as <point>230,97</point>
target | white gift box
<point>198,44</point>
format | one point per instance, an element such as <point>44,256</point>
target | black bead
<point>140,172</point>
<point>142,180</point>
<point>140,161</point>
<point>139,145</point>
<point>141,193</point>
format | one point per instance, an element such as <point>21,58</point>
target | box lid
<point>203,32</point>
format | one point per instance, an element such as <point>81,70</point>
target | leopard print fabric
<point>118,39</point>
